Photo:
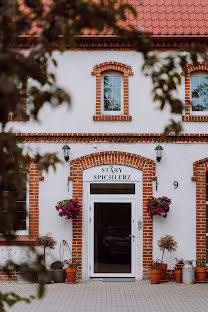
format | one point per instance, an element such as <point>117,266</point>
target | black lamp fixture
<point>66,150</point>
<point>158,150</point>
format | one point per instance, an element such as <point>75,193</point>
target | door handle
<point>132,236</point>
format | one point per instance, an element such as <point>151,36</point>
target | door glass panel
<point>112,241</point>
<point>112,188</point>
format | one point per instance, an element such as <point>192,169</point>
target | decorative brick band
<point>33,211</point>
<point>112,118</point>
<point>99,42</point>
<point>112,66</point>
<point>195,118</point>
<point>188,110</point>
<point>109,158</point>
<point>11,277</point>
<point>112,137</point>
<point>200,167</point>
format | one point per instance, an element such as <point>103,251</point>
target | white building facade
<point>112,128</point>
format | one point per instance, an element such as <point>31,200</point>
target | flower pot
<point>178,276</point>
<point>155,276</point>
<point>59,276</point>
<point>201,274</point>
<point>45,277</point>
<point>163,271</point>
<point>71,274</point>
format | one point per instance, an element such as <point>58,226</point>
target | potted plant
<point>201,270</point>
<point>178,270</point>
<point>59,274</point>
<point>155,272</point>
<point>158,206</point>
<point>46,242</point>
<point>166,243</point>
<point>71,270</point>
<point>68,208</point>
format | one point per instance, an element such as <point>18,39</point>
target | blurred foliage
<point>58,24</point>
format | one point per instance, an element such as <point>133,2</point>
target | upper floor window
<point>112,93</point>
<point>20,113</point>
<point>199,91</point>
<point>196,93</point>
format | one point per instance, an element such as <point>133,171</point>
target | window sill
<point>112,118</point>
<point>195,118</point>
<point>18,118</point>
<point>24,240</point>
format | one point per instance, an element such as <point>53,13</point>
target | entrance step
<point>118,279</point>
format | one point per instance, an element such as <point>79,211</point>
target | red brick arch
<point>109,158</point>
<point>200,167</point>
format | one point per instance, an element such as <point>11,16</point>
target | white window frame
<point>115,74</point>
<point>113,198</point>
<point>198,73</point>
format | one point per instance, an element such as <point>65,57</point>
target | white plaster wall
<point>74,75</point>
<point>176,165</point>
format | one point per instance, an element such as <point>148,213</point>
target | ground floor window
<point>14,202</point>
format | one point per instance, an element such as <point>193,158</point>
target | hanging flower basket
<point>68,208</point>
<point>159,206</point>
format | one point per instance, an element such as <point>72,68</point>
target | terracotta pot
<point>178,276</point>
<point>201,274</point>
<point>71,274</point>
<point>163,271</point>
<point>155,276</point>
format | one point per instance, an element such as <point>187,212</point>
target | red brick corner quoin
<point>200,167</point>
<point>113,158</point>
<point>113,66</point>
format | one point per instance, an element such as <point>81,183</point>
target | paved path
<point>97,296</point>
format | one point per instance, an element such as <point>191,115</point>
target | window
<point>199,91</point>
<point>16,201</point>
<point>21,114</point>
<point>112,91</point>
<point>196,93</point>
<point>112,188</point>
<point>112,95</point>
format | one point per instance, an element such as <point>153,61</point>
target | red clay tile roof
<point>165,17</point>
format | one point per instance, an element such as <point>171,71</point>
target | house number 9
<point>175,183</point>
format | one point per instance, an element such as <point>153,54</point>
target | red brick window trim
<point>109,158</point>
<point>98,70</point>
<point>33,209</point>
<point>200,169</point>
<point>189,116</point>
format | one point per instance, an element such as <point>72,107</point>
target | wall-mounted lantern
<point>158,150</point>
<point>66,150</point>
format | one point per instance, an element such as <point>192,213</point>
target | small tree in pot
<point>46,242</point>
<point>166,243</point>
<point>155,271</point>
